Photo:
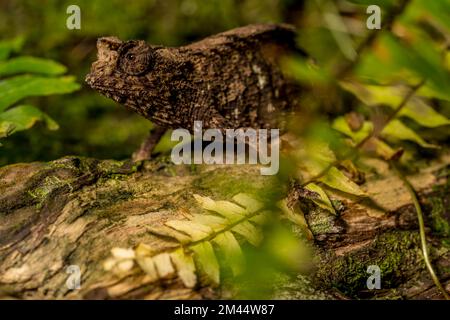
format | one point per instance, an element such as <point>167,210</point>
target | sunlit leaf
<point>383,150</point>
<point>25,116</point>
<point>163,265</point>
<point>26,64</point>
<point>148,266</point>
<point>398,130</point>
<point>337,180</point>
<point>11,45</point>
<point>260,218</point>
<point>215,222</point>
<point>6,128</point>
<point>143,250</point>
<point>122,253</point>
<point>251,233</point>
<point>169,232</point>
<point>296,217</point>
<point>184,263</point>
<point>225,208</point>
<point>196,230</point>
<point>250,203</point>
<point>323,201</point>
<point>341,125</point>
<point>391,96</point>
<point>207,260</point>
<point>18,87</point>
<point>231,251</point>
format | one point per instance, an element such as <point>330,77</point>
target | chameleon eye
<point>135,58</point>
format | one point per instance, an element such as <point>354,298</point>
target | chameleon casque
<point>230,80</point>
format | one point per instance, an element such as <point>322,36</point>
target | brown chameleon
<point>230,80</point>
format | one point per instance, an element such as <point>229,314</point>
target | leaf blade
<point>16,88</point>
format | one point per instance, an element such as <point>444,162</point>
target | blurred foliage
<point>90,124</point>
<point>414,45</point>
<point>40,77</point>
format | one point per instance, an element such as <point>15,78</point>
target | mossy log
<point>72,211</point>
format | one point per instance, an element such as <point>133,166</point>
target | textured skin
<point>229,80</point>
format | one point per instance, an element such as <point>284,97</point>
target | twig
<point>423,239</point>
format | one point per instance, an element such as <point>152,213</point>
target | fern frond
<point>200,238</point>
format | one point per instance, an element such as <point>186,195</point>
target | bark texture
<point>229,80</point>
<point>72,211</point>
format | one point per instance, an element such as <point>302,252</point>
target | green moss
<point>395,253</point>
<point>439,224</point>
<point>225,183</point>
<point>321,221</point>
<point>49,184</point>
<point>439,213</point>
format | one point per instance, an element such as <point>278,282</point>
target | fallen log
<point>73,211</point>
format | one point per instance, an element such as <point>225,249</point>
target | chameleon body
<point>229,80</point>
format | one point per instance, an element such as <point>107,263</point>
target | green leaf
<point>215,222</point>
<point>252,234</point>
<point>18,87</point>
<point>296,216</point>
<point>163,265</point>
<point>415,109</point>
<point>315,158</point>
<point>31,65</point>
<point>184,263</point>
<point>320,151</point>
<point>25,116</point>
<point>398,130</point>
<point>323,201</point>
<point>11,45</point>
<point>301,70</point>
<point>438,11</point>
<point>381,148</point>
<point>6,128</point>
<point>384,150</point>
<point>260,218</point>
<point>148,266</point>
<point>231,251</point>
<point>419,55</point>
<point>250,203</point>
<point>197,231</point>
<point>337,180</point>
<point>227,209</point>
<point>169,232</point>
<point>207,260</point>
<point>341,125</point>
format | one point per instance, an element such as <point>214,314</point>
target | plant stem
<point>423,239</point>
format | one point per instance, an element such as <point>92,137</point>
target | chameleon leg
<point>145,150</point>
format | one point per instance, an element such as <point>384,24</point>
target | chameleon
<point>230,80</point>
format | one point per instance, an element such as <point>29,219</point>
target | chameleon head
<point>121,69</point>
